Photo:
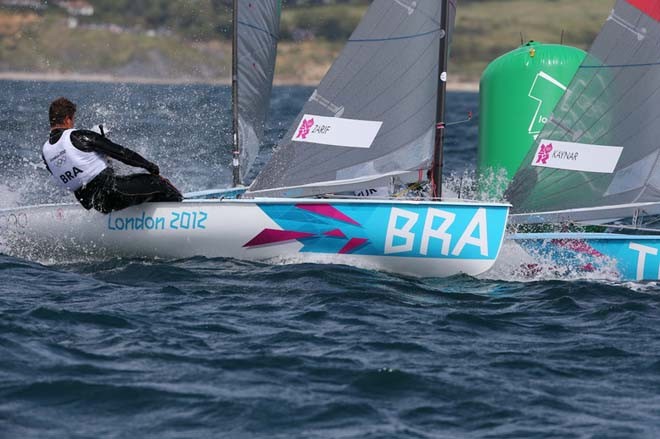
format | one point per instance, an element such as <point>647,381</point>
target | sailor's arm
<point>90,141</point>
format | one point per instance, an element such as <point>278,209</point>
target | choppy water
<point>202,348</point>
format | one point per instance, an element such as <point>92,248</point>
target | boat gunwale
<point>221,201</point>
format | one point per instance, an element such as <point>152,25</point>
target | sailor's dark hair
<point>60,109</point>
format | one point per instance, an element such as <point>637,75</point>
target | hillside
<point>52,42</point>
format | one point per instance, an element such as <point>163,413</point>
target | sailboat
<point>597,160</point>
<point>375,117</point>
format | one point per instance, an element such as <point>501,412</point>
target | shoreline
<point>459,84</point>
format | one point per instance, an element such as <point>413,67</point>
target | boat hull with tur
<point>419,238</point>
<point>601,255</point>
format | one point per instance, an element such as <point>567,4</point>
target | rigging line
<point>358,54</point>
<point>615,66</point>
<point>420,58</point>
<point>402,25</point>
<point>266,31</point>
<point>403,37</point>
<point>350,57</point>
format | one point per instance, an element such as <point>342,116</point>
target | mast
<point>234,95</point>
<point>436,170</point>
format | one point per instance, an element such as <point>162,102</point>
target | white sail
<point>374,113</point>
<point>256,36</point>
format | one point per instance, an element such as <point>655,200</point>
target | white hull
<point>416,238</point>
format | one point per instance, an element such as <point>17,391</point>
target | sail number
<point>404,234</point>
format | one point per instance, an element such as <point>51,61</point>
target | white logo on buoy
<point>542,111</point>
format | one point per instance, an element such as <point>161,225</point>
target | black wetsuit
<point>108,192</point>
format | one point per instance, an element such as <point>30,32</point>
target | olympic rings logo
<point>13,221</point>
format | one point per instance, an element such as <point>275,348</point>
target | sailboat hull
<point>433,239</point>
<point>594,255</point>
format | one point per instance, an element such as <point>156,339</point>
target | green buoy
<point>517,94</point>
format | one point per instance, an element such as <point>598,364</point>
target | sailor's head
<point>61,113</point>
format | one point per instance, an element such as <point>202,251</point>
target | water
<point>202,348</point>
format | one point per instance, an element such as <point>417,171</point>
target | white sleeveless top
<point>70,167</point>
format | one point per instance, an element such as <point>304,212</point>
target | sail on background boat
<point>373,115</point>
<point>256,33</point>
<point>598,157</point>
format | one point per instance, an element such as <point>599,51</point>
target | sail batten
<point>402,37</point>
<point>612,102</point>
<point>252,26</point>
<point>621,66</point>
<point>387,75</point>
<point>586,215</point>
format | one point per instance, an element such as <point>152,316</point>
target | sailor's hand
<point>153,169</point>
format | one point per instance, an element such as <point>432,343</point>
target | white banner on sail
<point>577,156</point>
<point>336,131</point>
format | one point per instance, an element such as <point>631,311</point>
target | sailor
<point>78,160</point>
